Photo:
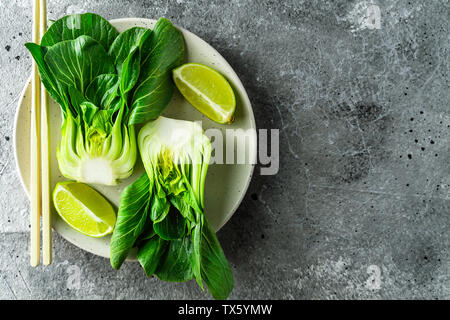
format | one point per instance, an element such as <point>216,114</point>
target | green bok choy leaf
<point>105,83</point>
<point>162,213</point>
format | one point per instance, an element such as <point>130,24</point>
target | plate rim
<point>237,81</point>
<point>16,120</point>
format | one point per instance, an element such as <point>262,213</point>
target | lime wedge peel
<point>84,209</point>
<point>207,90</point>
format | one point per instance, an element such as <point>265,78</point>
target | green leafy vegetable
<point>72,26</point>
<point>215,270</point>
<point>150,253</point>
<point>175,265</point>
<point>106,83</point>
<point>163,51</point>
<point>134,207</point>
<point>175,242</point>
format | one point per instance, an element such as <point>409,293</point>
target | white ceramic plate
<point>225,184</point>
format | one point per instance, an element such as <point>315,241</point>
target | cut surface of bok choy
<point>105,84</point>
<point>162,212</point>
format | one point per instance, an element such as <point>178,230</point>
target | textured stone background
<point>364,184</point>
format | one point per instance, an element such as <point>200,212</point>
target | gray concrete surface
<point>360,206</point>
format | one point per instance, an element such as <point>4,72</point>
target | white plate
<point>225,184</point>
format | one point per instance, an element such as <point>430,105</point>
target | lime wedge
<point>207,90</point>
<point>84,209</point>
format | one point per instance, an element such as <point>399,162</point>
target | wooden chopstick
<point>45,156</point>
<point>35,161</point>
<point>40,152</point>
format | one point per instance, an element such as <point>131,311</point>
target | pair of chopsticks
<point>40,152</point>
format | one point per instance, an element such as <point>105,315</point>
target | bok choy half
<point>162,212</point>
<point>105,83</point>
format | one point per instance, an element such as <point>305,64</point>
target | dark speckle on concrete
<point>360,207</point>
